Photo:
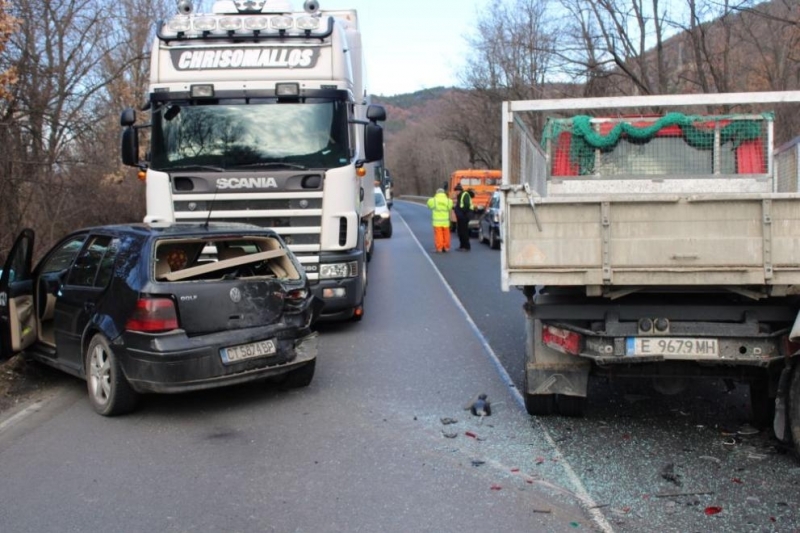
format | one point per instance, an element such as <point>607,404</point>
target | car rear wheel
<point>109,391</point>
<point>387,231</point>
<point>301,377</point>
<point>494,242</point>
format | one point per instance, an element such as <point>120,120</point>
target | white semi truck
<point>261,114</point>
<point>655,245</point>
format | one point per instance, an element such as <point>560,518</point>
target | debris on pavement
<point>543,510</point>
<point>446,421</point>
<point>712,510</point>
<point>449,435</point>
<point>478,462</point>
<point>481,406</point>
<point>668,473</point>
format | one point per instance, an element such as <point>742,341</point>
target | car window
<point>88,263</point>
<point>61,258</point>
<point>18,270</point>
<point>379,199</point>
<point>107,264</point>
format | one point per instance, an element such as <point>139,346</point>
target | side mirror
<point>128,117</point>
<point>130,147</point>
<point>373,142</point>
<point>376,113</point>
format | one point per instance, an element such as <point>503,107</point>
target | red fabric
<point>750,158</point>
<point>562,166</point>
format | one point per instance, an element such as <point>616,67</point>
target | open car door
<point>17,309</point>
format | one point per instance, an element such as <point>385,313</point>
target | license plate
<point>234,354</point>
<point>672,347</point>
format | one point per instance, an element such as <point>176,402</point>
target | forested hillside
<point>67,69</point>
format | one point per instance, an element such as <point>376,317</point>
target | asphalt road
<point>364,447</point>
<point>635,446</point>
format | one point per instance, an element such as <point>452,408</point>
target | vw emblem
<point>236,295</point>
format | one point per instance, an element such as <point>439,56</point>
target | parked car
<point>490,222</point>
<point>382,221</point>
<point>136,309</point>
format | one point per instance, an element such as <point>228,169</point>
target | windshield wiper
<point>271,164</point>
<point>194,167</point>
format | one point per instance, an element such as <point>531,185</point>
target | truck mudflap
<point>549,371</point>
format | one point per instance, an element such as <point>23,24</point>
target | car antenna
<point>211,206</point>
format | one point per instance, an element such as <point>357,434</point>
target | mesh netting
<point>592,144</point>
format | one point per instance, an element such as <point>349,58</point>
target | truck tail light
<point>562,340</point>
<point>153,315</point>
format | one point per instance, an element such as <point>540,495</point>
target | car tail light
<point>297,295</point>
<point>562,340</point>
<point>153,315</point>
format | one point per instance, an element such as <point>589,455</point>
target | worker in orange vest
<point>440,205</point>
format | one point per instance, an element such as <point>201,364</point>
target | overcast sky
<point>411,44</point>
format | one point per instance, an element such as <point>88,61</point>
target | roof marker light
<point>281,23</point>
<point>256,23</point>
<point>307,23</point>
<point>230,23</point>
<point>205,24</point>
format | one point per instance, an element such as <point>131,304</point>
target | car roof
<point>182,229</point>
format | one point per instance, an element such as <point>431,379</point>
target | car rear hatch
<point>227,284</point>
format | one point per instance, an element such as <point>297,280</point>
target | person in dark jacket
<point>464,210</point>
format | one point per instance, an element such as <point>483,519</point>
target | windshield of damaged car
<point>262,133</point>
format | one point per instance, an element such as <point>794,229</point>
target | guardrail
<point>415,199</point>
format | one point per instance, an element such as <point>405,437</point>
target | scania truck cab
<point>260,114</point>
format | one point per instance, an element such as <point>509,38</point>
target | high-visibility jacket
<point>441,205</point>
<point>465,205</point>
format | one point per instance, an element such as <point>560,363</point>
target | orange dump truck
<point>483,182</point>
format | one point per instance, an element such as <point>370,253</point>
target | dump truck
<point>653,239</point>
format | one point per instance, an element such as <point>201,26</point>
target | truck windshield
<point>228,135</point>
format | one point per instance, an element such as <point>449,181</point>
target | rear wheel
<point>481,237</point>
<point>387,232</point>
<point>573,406</point>
<point>301,377</point>
<point>794,407</point>
<point>538,404</point>
<point>494,242</point>
<point>109,391</point>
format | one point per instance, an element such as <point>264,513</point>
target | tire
<point>794,407</point>
<point>109,391</point>
<point>302,377</point>
<point>538,404</point>
<point>494,242</point>
<point>387,232</point>
<point>481,238</point>
<point>572,406</point>
<point>761,405</point>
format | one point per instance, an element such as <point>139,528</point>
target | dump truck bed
<point>612,197</point>
<point>648,240</point>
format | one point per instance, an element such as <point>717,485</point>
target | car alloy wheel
<point>109,392</point>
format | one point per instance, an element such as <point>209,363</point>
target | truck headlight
<point>338,270</point>
<point>385,215</point>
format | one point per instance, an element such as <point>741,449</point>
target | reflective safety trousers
<point>441,206</point>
